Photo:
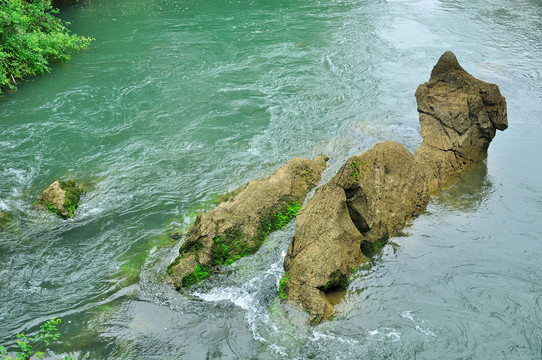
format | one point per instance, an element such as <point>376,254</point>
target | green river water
<point>178,101</point>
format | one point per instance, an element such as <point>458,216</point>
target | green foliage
<point>30,38</point>
<point>29,345</point>
<point>232,245</point>
<point>283,286</point>
<point>195,277</point>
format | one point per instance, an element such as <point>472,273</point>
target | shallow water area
<point>178,101</point>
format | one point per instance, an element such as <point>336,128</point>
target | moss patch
<point>276,220</point>
<point>283,286</point>
<point>228,250</point>
<point>199,274</point>
<point>191,246</point>
<point>233,245</point>
<point>336,285</point>
<point>73,196</point>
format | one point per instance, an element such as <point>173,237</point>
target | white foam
<point>408,315</point>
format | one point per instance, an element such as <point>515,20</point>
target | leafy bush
<point>28,346</point>
<point>30,38</point>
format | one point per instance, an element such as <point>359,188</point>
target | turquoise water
<point>177,101</point>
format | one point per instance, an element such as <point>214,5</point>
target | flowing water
<point>178,101</point>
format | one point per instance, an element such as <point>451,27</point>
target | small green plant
<point>72,196</point>
<point>51,208</point>
<point>29,345</point>
<point>280,220</point>
<point>284,219</point>
<point>357,169</point>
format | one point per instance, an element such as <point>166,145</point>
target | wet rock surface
<point>459,116</point>
<point>239,226</point>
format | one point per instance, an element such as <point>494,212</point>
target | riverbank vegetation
<point>29,346</point>
<point>31,38</point>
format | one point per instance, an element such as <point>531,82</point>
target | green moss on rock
<point>283,286</point>
<point>199,274</point>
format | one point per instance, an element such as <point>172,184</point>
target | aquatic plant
<point>277,221</point>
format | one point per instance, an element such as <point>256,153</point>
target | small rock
<point>60,198</point>
<point>175,235</point>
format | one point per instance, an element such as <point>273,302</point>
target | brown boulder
<point>239,226</point>
<point>371,198</point>
<point>459,116</point>
<point>324,230</point>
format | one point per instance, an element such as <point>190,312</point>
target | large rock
<point>374,195</point>
<point>60,198</point>
<point>324,230</point>
<point>371,198</point>
<point>459,116</point>
<point>239,226</point>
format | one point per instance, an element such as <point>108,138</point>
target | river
<point>178,101</point>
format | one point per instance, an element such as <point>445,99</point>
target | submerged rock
<point>6,220</point>
<point>60,198</point>
<point>374,195</point>
<point>238,227</point>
